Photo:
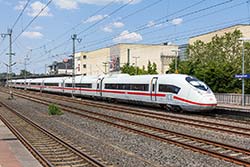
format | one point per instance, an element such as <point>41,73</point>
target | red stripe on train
<point>191,102</point>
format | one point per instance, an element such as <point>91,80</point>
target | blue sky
<point>101,23</point>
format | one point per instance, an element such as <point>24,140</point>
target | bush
<point>54,110</point>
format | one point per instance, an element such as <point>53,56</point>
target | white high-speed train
<point>174,91</point>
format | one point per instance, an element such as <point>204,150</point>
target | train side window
<point>51,84</point>
<point>83,85</point>
<point>139,87</point>
<point>169,88</point>
<point>68,85</point>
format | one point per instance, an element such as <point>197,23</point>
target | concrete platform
<point>236,108</point>
<point>12,152</point>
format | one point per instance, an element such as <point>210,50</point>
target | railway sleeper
<point>245,157</point>
<point>225,151</point>
<point>71,158</point>
<point>72,163</point>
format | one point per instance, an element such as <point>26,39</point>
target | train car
<point>172,91</point>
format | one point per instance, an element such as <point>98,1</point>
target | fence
<point>228,98</point>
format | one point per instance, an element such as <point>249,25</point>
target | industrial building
<point>65,67</point>
<point>111,59</point>
<point>244,28</point>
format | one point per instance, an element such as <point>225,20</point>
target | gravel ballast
<point>122,148</point>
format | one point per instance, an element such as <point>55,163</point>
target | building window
<point>84,65</point>
<point>84,74</point>
<point>84,56</point>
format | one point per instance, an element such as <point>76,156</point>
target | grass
<point>54,110</point>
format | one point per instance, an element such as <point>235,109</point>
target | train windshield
<point>197,83</point>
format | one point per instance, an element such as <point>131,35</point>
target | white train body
<point>171,90</point>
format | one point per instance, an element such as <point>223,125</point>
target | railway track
<point>219,127</point>
<point>229,153</point>
<point>49,149</point>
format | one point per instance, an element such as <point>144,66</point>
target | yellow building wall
<point>95,60</point>
<point>245,29</point>
<point>93,64</point>
<point>141,54</point>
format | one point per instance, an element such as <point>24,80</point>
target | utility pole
<point>9,73</point>
<point>74,38</point>
<point>25,71</point>
<point>128,61</point>
<point>105,66</point>
<point>243,70</point>
<point>176,60</point>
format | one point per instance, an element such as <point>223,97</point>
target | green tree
<point>217,61</point>
<point>154,69</point>
<point>132,70</point>
<point>150,69</point>
<point>22,73</point>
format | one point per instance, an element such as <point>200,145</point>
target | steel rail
<point>79,153</point>
<point>25,142</point>
<point>192,143</point>
<point>176,119</point>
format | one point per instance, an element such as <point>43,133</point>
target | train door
<point>99,86</point>
<point>41,86</point>
<point>153,88</point>
<point>63,85</point>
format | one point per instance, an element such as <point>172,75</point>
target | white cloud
<point>95,18</point>
<point>127,36</point>
<point>66,4</point>
<point>177,21</point>
<point>36,7</point>
<point>151,24</point>
<point>37,28</point>
<point>118,24</point>
<point>107,29</point>
<point>73,4</point>
<point>20,5</point>
<point>32,34</point>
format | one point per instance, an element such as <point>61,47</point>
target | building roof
<point>162,44</point>
<point>228,27</point>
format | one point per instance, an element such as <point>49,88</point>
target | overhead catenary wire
<point>202,16</point>
<point>75,26</point>
<point>175,13</point>
<point>26,27</point>
<point>182,35</point>
<point>131,14</point>
<point>63,43</point>
<point>227,1</point>
<point>20,15</point>
<point>94,24</point>
<point>34,18</point>
<point>161,22</point>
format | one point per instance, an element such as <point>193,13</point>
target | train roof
<point>121,77</point>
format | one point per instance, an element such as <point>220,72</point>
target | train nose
<point>209,99</point>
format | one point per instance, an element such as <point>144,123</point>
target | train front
<point>196,96</point>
